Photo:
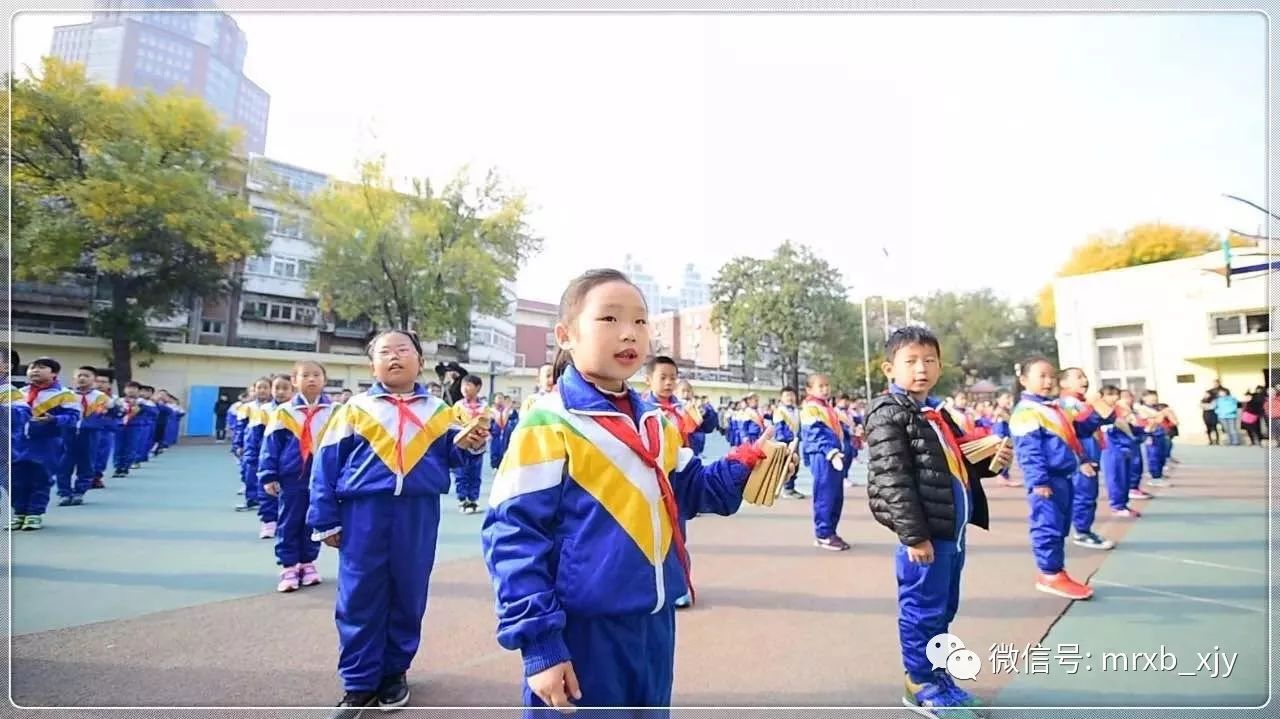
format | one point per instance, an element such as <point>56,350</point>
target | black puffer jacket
<point>909,486</point>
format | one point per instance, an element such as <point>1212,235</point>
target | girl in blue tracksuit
<point>145,438</point>
<point>376,485</point>
<point>284,471</point>
<point>1046,441</point>
<point>1121,440</point>
<point>254,432</point>
<point>111,429</point>
<point>582,537</point>
<point>55,410</point>
<point>710,420</point>
<point>467,478</point>
<point>786,427</point>
<point>822,439</point>
<point>244,415</point>
<point>505,419</point>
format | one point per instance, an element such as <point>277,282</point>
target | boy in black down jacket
<point>921,487</point>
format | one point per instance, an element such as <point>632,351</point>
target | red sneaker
<point>1061,585</point>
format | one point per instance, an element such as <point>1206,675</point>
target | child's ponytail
<point>561,363</point>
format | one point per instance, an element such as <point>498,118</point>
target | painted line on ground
<point>1178,595</point>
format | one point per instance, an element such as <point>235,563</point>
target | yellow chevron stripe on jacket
<point>551,441</point>
<point>376,422</point>
<point>60,398</point>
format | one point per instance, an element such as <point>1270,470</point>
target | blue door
<point>200,410</point>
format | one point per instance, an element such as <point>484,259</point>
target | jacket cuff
<point>746,454</point>
<point>544,652</point>
<point>833,454</point>
<point>321,535</point>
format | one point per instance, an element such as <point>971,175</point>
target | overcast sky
<point>978,149</point>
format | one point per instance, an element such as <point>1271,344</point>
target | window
<point>211,327</point>
<point>1240,325</point>
<point>281,312</point>
<point>284,267</point>
<point>1122,357</point>
<point>258,265</point>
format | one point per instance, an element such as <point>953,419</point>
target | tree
<point>839,351</point>
<point>1139,245</point>
<point>128,190</point>
<point>779,305</point>
<point>416,259</point>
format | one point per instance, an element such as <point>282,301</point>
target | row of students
<point>69,434</point>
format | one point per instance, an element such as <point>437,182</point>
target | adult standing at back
<point>1209,413</point>
<point>1228,409</point>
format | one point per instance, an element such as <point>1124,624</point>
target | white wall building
<point>1170,326</point>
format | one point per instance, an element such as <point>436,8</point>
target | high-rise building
<point>647,283</point>
<point>199,52</point>
<point>694,291</point>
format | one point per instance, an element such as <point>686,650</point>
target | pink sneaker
<point>288,580</point>
<point>1138,494</point>
<point>1126,512</point>
<point>310,576</point>
<point>268,531</point>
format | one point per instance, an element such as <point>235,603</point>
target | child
<point>959,410</point>
<point>1120,442</point>
<point>467,475</point>
<point>435,389</point>
<point>1000,415</point>
<point>111,428</point>
<point>16,413</point>
<point>233,418</point>
<point>702,413</point>
<point>1159,439</point>
<point>127,437</point>
<point>822,440</point>
<point>284,472</point>
<point>1046,440</point>
<point>1136,464</point>
<point>1073,385</point>
<point>268,506</point>
<point>82,442</point>
<point>846,435</point>
<point>171,431</point>
<point>55,410</point>
<point>582,537</point>
<point>921,487</point>
<point>546,384</point>
<point>376,484</point>
<point>247,415</point>
<point>164,415</point>
<point>751,424</point>
<point>661,372</point>
<point>146,425</point>
<point>786,427</point>
<point>500,428</point>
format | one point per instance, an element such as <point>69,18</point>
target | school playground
<point>155,593</point>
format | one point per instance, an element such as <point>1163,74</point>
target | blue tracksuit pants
<point>78,463</point>
<point>828,496</point>
<point>293,536</point>
<point>467,477</point>
<point>1115,472</point>
<point>143,440</point>
<point>1050,524</point>
<point>1156,456</point>
<point>622,661</point>
<point>31,483</point>
<point>102,458</point>
<point>125,440</point>
<point>1084,500</point>
<point>384,565</point>
<point>928,597</point>
<point>1135,468</point>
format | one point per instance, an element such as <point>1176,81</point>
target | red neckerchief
<point>682,421</point>
<point>404,413</point>
<point>625,431</point>
<point>832,417</point>
<point>502,418</point>
<point>935,417</point>
<point>33,390</point>
<point>1069,429</point>
<point>309,411</point>
<point>84,402</point>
